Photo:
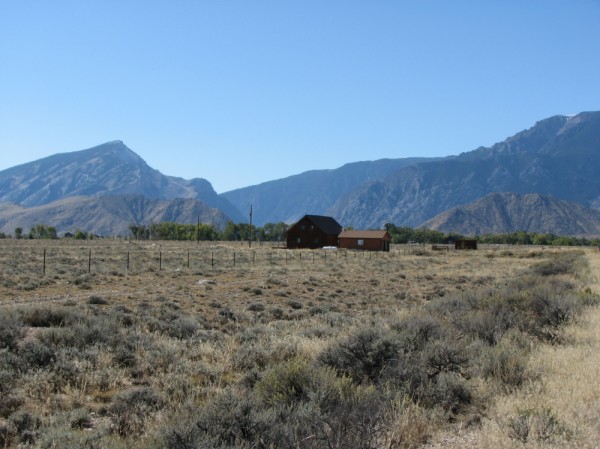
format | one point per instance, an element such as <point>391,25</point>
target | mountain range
<point>499,213</point>
<point>558,157</point>
<point>108,215</point>
<point>107,169</point>
<point>106,188</point>
<point>313,192</point>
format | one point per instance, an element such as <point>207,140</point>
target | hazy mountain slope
<point>510,212</point>
<point>107,215</point>
<point>559,156</point>
<point>312,192</point>
<point>107,169</point>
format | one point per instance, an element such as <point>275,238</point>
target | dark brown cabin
<point>465,244</point>
<point>367,240</point>
<point>314,231</point>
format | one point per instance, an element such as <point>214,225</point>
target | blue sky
<point>243,92</point>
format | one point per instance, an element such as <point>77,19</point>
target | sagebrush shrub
<point>37,355</point>
<point>536,426</point>
<point>562,263</point>
<point>504,363</point>
<point>448,391</point>
<point>11,331</point>
<point>48,316</point>
<point>415,332</point>
<point>131,409</point>
<point>97,300</point>
<point>364,355</point>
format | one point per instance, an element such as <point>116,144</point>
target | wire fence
<point>131,257</point>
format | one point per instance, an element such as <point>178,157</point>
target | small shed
<point>465,244</point>
<point>313,231</point>
<point>367,240</point>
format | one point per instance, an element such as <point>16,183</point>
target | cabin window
<point>298,240</point>
<point>360,242</point>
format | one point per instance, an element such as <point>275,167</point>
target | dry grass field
<point>117,344</point>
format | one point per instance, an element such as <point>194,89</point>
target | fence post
<point>90,261</point>
<point>212,259</point>
<point>159,260</point>
<point>234,258</point>
<point>44,265</point>
<point>188,265</point>
<point>253,254</point>
<point>127,261</point>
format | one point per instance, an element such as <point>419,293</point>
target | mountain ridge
<point>558,156</point>
<point>107,169</point>
<point>506,212</point>
<point>108,215</point>
<point>311,192</point>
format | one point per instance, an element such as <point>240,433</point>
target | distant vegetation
<point>39,231</point>
<point>270,232</point>
<point>276,232</point>
<point>532,238</point>
<point>406,234</point>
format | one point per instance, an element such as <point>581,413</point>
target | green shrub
<point>26,425</point>
<point>11,331</point>
<point>124,355</point>
<point>446,356</point>
<point>256,307</point>
<point>448,391</point>
<point>36,354</point>
<point>417,331</point>
<point>231,420</point>
<point>561,263</point>
<point>7,380</point>
<point>9,403</point>
<point>296,305</point>
<point>287,383</point>
<point>97,300</point>
<point>131,409</point>
<point>65,371</point>
<point>536,426</point>
<point>182,328</point>
<point>364,355</point>
<point>505,363</point>
<point>294,405</point>
<point>7,433</point>
<point>48,316</point>
<point>80,419</point>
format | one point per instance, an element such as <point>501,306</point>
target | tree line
<point>270,232</point>
<point>404,234</point>
<point>277,232</point>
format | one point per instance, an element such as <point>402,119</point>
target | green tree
<point>18,233</point>
<point>81,235</point>
<point>41,231</point>
<point>140,232</point>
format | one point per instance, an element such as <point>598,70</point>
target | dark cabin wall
<point>309,235</point>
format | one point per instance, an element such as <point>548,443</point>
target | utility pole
<point>250,234</point>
